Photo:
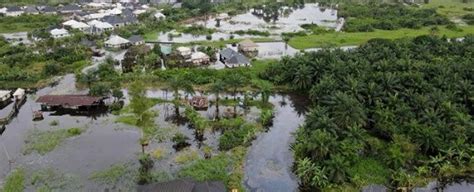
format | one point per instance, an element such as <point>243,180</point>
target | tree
<point>99,89</point>
<point>217,88</point>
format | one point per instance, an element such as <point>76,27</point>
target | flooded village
<point>132,96</point>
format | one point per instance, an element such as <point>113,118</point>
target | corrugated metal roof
<point>69,100</point>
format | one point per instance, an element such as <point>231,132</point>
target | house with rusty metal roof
<point>49,102</point>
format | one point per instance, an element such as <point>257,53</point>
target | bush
<point>236,137</point>
<point>180,141</point>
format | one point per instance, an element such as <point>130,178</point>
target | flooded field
<point>105,143</point>
<point>290,21</point>
<point>309,14</point>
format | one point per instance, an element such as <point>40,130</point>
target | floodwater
<point>269,159</point>
<point>186,38</point>
<point>104,142</point>
<point>309,14</point>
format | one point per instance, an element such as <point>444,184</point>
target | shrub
<point>180,141</point>
<point>236,137</point>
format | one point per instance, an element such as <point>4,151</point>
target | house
<point>19,94</point>
<point>114,20</point>
<point>69,9</point>
<point>59,33</point>
<point>51,102</point>
<point>248,48</point>
<point>184,52</point>
<point>199,58</point>
<point>13,11</point>
<point>31,10</point>
<point>73,24</point>
<point>130,19</point>
<point>4,97</point>
<point>231,58</point>
<point>98,27</point>
<point>116,41</point>
<point>17,38</point>
<point>136,40</point>
<point>48,10</point>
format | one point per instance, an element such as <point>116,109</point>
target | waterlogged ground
<point>104,155</point>
<point>309,14</point>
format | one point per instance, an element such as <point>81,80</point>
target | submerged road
<point>269,159</point>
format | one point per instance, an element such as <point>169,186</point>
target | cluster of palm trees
<point>408,104</point>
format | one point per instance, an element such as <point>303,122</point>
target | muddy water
<point>269,160</point>
<point>310,13</point>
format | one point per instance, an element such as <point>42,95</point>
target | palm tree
<point>177,83</point>
<point>233,81</point>
<point>217,87</point>
<point>303,78</point>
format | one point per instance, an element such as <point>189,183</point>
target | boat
<point>199,103</point>
<point>37,116</point>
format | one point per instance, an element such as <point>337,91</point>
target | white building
<point>200,58</point>
<point>116,41</point>
<point>184,51</point>
<point>14,11</point>
<point>77,25</point>
<point>98,27</point>
<point>59,33</point>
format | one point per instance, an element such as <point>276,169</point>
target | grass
<point>158,153</point>
<point>450,8</point>
<point>27,23</point>
<point>186,156</point>
<point>110,175</point>
<point>48,179</point>
<point>225,167</point>
<point>15,182</point>
<point>369,171</point>
<point>46,141</point>
<point>357,38</point>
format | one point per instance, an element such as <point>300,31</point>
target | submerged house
<point>231,58</point>
<point>79,102</point>
<point>248,48</point>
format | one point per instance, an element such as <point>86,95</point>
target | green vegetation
<point>366,18</point>
<point>46,141</point>
<point>27,23</point>
<point>357,38</point>
<point>110,175</point>
<point>402,106</point>
<point>31,66</point>
<point>223,167</point>
<point>47,179</point>
<point>451,8</point>
<point>187,156</point>
<point>15,182</point>
<point>239,136</point>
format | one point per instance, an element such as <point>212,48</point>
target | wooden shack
<point>77,102</point>
<point>199,103</point>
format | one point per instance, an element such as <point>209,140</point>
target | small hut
<point>199,103</point>
<point>19,94</point>
<point>248,48</point>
